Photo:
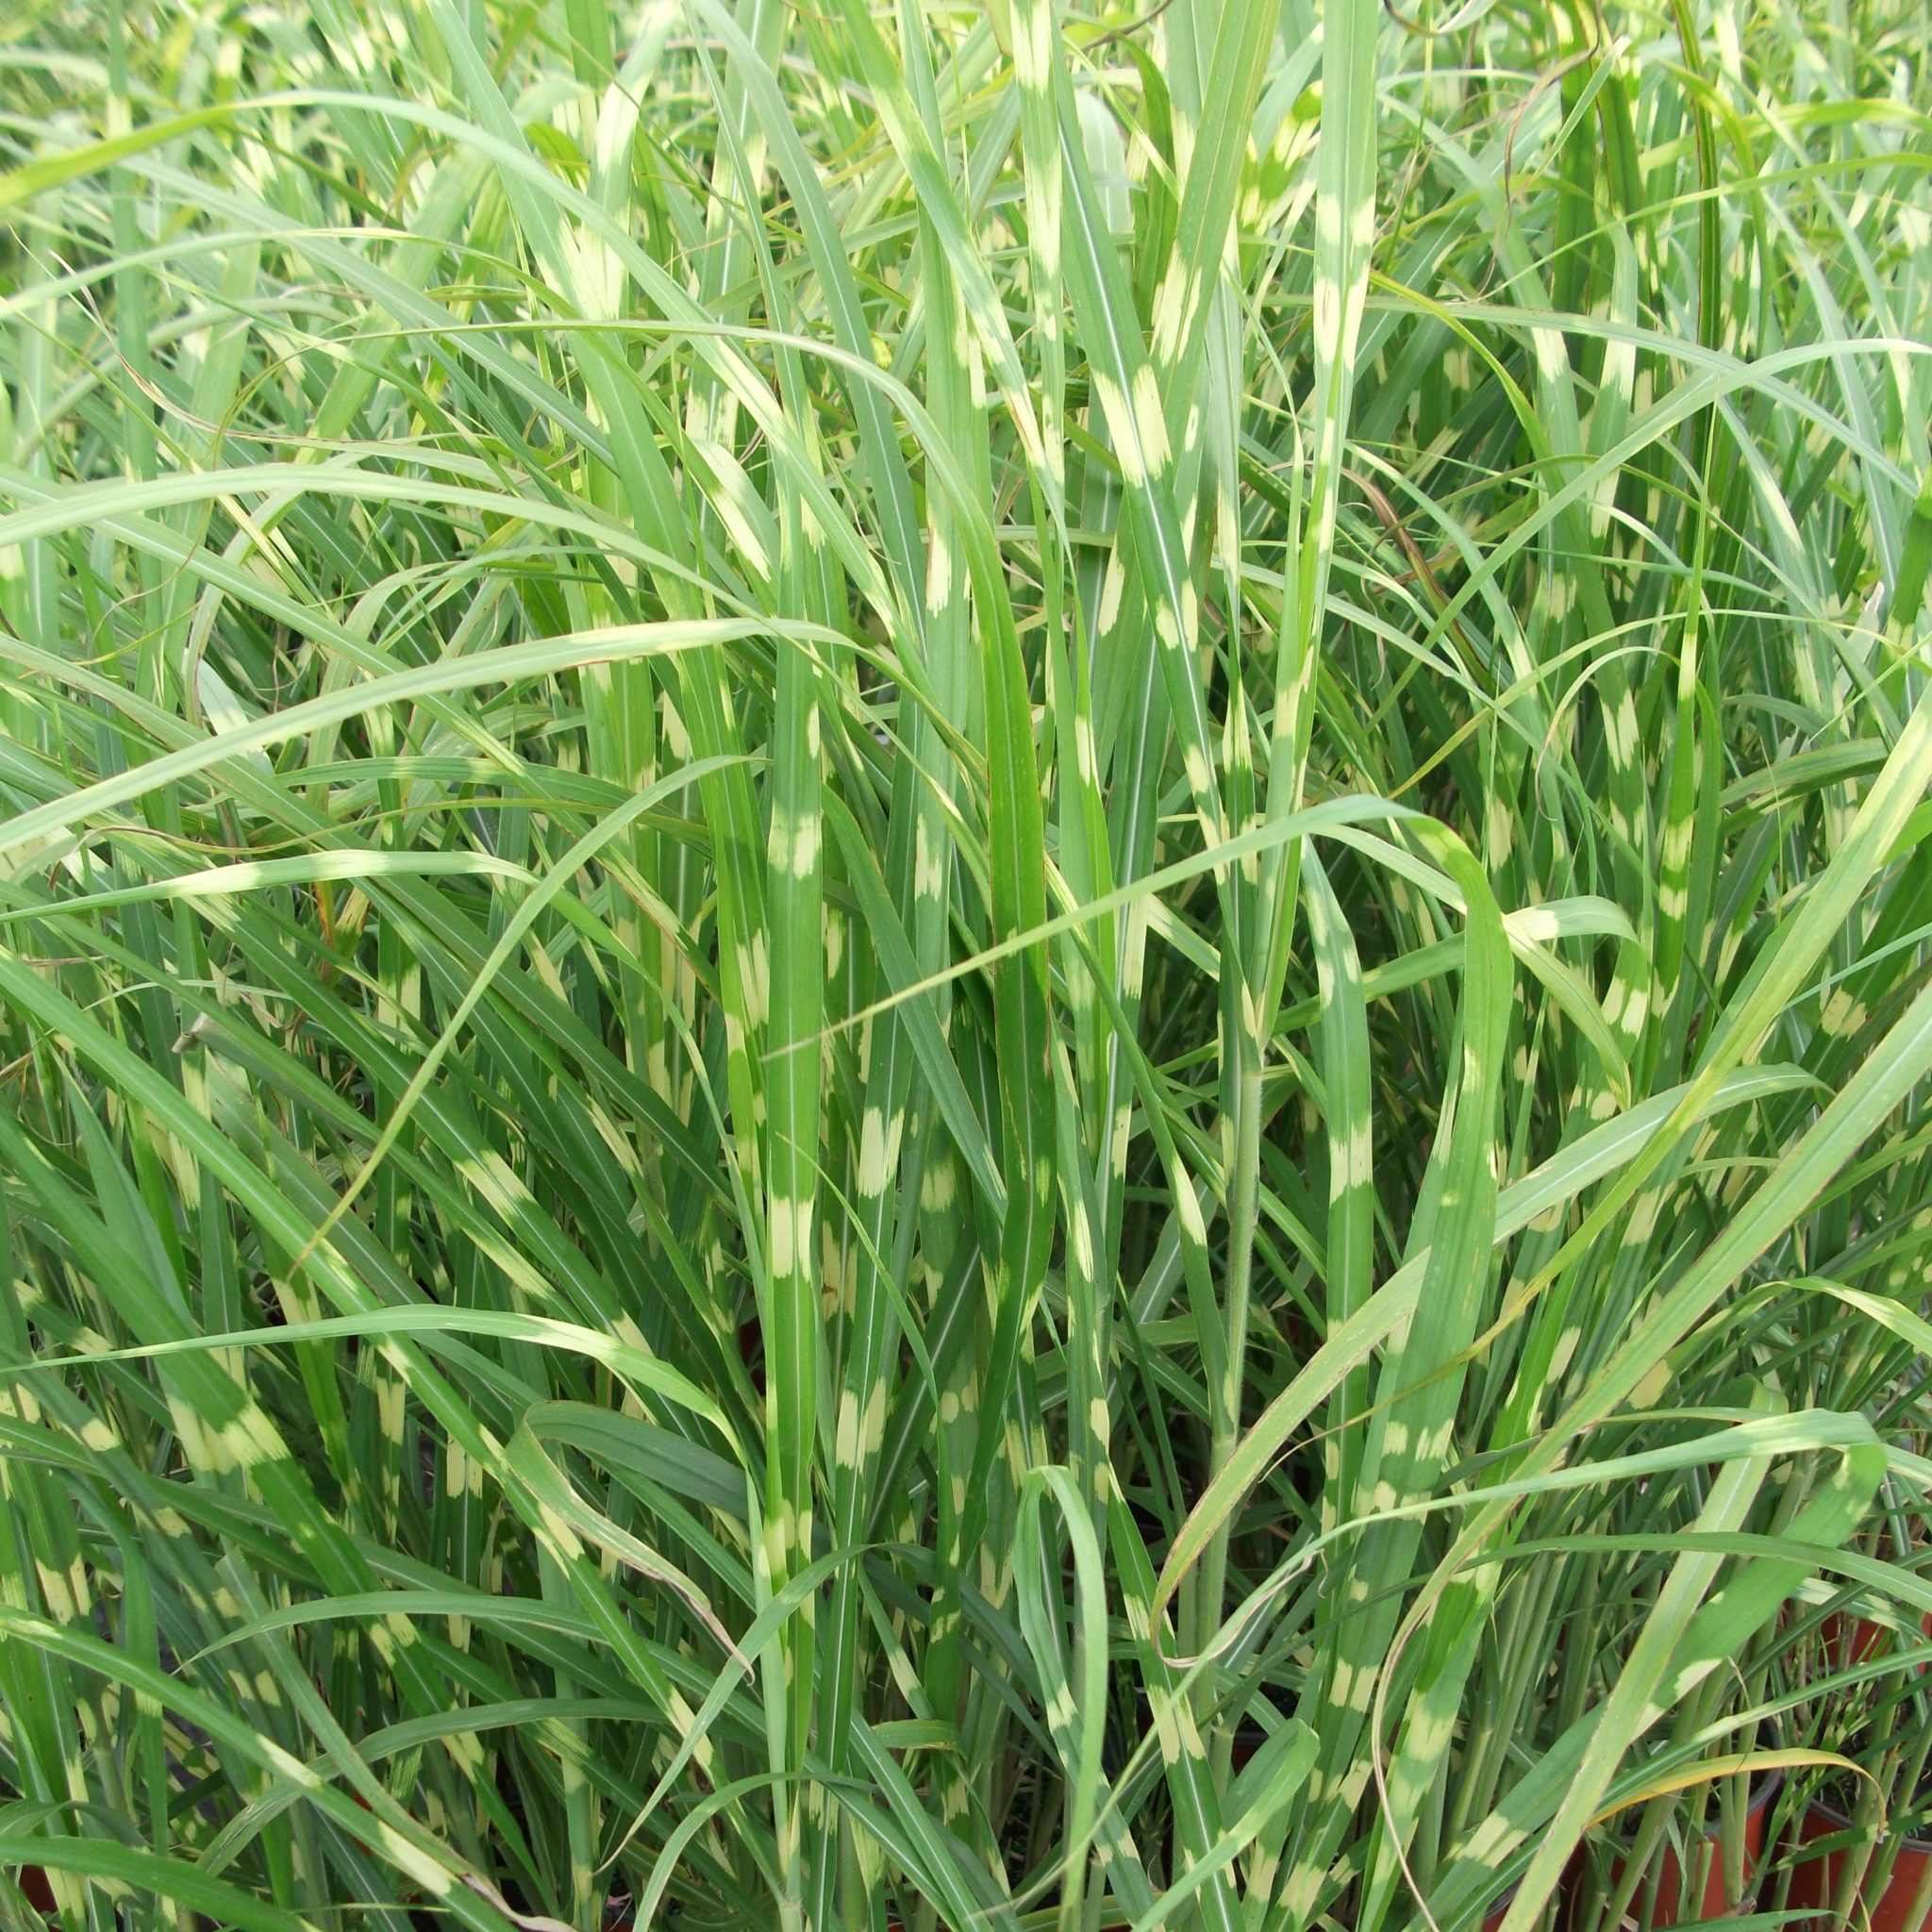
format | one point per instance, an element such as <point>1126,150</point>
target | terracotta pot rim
<point>1919,1841</point>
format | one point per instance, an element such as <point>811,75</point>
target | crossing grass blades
<point>959,966</point>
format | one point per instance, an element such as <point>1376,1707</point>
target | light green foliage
<point>959,966</point>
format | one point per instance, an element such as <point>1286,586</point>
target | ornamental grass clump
<point>957,966</point>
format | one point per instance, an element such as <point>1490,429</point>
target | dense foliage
<point>958,965</point>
